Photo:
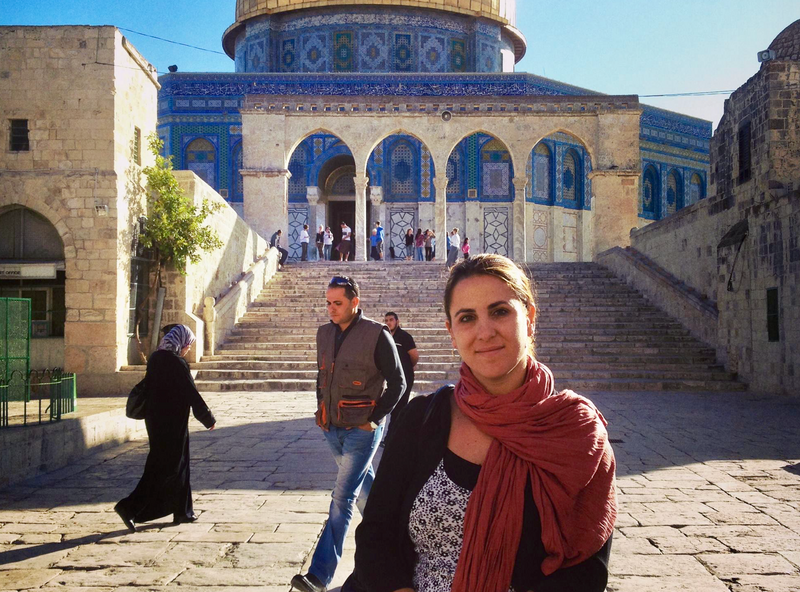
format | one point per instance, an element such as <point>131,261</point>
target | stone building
<point>76,107</point>
<point>740,248</point>
<point>76,104</point>
<point>411,113</point>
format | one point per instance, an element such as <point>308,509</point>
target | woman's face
<point>185,350</point>
<point>491,329</point>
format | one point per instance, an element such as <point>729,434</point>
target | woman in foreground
<point>501,483</point>
<point>164,487</point>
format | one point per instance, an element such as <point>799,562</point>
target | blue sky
<point>642,47</point>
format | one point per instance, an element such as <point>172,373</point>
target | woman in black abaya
<point>164,487</point>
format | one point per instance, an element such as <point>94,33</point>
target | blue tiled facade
<point>375,51</point>
<point>370,39</point>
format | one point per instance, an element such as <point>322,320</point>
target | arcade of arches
<point>526,186</point>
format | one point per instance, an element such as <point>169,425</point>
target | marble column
<point>379,211</point>
<point>440,217</point>
<point>316,209</point>
<point>361,231</point>
<point>266,201</point>
<point>473,229</point>
<point>520,228</point>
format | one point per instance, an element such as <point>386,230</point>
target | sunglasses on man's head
<point>340,281</point>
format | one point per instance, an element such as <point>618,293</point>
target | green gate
<point>15,346</point>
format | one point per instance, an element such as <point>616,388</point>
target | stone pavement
<point>709,498</point>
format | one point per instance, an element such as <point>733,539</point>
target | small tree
<point>175,228</point>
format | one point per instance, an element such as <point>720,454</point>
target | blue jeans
<point>326,251</point>
<point>420,254</point>
<point>352,450</point>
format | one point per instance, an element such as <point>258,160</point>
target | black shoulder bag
<point>136,406</point>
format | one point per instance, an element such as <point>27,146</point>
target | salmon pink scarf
<point>559,443</point>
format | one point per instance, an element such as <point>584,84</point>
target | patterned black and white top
<point>436,522</point>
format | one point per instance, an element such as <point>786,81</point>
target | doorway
<point>345,211</point>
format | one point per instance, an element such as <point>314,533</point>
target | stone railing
<point>226,279</point>
<point>698,314</point>
<point>221,314</point>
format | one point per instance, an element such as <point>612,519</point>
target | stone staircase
<point>594,332</point>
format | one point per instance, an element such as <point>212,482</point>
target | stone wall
<point>218,272</point>
<point>83,91</point>
<point>768,198</point>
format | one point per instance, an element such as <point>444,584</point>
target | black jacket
<point>385,556</point>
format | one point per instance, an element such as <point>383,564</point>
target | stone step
<point>577,385</point>
<point>449,365</point>
<point>452,375</point>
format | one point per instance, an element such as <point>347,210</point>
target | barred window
<point>18,135</point>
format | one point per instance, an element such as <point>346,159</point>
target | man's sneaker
<point>307,583</point>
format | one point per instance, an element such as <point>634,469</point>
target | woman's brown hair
<point>497,266</point>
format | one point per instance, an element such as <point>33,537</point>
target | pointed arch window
<point>570,177</point>
<point>697,189</point>
<point>673,187</point>
<point>542,173</point>
<point>453,176</point>
<point>201,158</point>
<point>297,167</point>
<point>651,193</point>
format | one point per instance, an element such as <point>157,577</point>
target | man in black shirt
<point>409,356</point>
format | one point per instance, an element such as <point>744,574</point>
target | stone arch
<point>401,165</point>
<point>510,147</point>
<point>306,135</point>
<point>675,193</point>
<point>587,145</point>
<point>48,244</point>
<point>487,167</point>
<point>400,131</point>
<point>57,217</point>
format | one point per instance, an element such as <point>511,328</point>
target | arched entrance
<point>32,266</point>
<point>321,188</point>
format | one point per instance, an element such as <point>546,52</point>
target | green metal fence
<point>15,343</point>
<point>28,397</point>
<point>49,395</point>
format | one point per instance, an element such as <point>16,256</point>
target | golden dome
<point>498,10</point>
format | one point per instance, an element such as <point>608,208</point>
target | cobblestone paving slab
<point>708,485</point>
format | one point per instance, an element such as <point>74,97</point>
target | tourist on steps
<point>419,244</point>
<point>327,243</point>
<point>319,242</point>
<point>304,240</point>
<point>409,244</point>
<point>359,381</point>
<point>275,241</point>
<point>344,244</point>
<point>500,482</point>
<point>164,488</point>
<point>381,238</point>
<point>454,248</point>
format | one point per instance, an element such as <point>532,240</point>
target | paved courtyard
<point>709,498</point>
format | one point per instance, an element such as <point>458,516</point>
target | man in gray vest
<point>359,381</point>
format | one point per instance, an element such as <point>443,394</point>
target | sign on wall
<point>38,271</point>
